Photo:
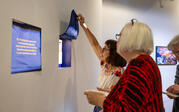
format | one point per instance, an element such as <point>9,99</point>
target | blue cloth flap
<point>73,28</point>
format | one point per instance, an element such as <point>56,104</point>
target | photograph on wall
<point>165,56</point>
<point>26,47</point>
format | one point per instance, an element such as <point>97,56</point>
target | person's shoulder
<point>140,60</point>
<point>143,61</point>
<point>143,57</point>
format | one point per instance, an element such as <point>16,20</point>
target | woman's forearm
<point>93,41</point>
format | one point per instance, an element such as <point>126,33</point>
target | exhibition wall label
<point>26,47</point>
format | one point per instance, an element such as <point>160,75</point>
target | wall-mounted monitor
<point>26,47</point>
<point>165,56</point>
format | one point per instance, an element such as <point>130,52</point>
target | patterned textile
<point>139,89</point>
<point>107,81</point>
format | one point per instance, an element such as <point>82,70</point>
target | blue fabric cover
<point>73,28</point>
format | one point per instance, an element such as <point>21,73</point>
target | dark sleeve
<point>129,93</point>
<point>177,75</point>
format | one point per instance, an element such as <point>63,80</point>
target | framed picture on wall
<point>26,47</point>
<point>165,56</point>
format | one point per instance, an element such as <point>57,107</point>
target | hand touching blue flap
<point>73,28</point>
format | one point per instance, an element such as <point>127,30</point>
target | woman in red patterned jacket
<point>140,86</point>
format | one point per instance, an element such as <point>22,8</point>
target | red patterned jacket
<point>139,90</point>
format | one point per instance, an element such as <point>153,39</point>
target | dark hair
<point>114,58</point>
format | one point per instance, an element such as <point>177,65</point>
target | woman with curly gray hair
<point>174,47</point>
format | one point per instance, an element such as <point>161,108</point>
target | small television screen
<point>165,56</point>
<point>26,47</point>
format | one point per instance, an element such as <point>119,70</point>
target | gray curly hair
<point>174,42</point>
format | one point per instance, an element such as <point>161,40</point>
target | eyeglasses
<point>117,36</point>
<point>105,49</point>
<point>133,21</point>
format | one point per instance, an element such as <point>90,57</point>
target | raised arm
<point>92,39</point>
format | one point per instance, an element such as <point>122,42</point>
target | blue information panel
<point>26,48</point>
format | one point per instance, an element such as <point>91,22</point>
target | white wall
<point>163,22</point>
<point>61,90</point>
<point>52,89</point>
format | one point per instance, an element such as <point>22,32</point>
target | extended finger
<point>170,89</point>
